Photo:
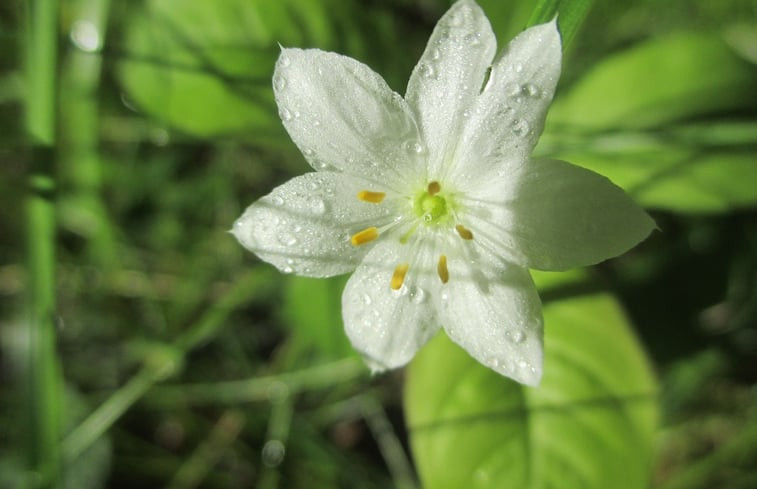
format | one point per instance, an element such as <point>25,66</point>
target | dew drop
<point>296,114</point>
<point>308,152</point>
<point>284,61</point>
<point>523,364</point>
<point>474,39</point>
<point>316,122</point>
<point>414,147</point>
<point>287,269</point>
<point>367,300</point>
<point>287,239</point>
<point>85,36</point>
<point>418,295</point>
<point>280,83</point>
<point>318,206</point>
<point>285,115</point>
<point>277,200</point>
<point>519,337</point>
<point>273,453</point>
<point>436,54</point>
<point>493,362</point>
<point>314,185</point>
<point>427,71</point>
<point>532,90</point>
<point>466,113</point>
<point>520,127</point>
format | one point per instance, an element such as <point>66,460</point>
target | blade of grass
<point>41,369</point>
<point>570,14</point>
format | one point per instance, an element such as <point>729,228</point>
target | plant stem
<point>41,369</point>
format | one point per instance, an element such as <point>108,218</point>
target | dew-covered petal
<point>448,78</point>
<point>508,116</point>
<point>304,226</point>
<point>388,326</point>
<point>492,310</point>
<point>553,216</point>
<point>343,116</point>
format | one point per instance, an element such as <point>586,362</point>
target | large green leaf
<point>696,168</point>
<point>589,425</point>
<point>205,67</point>
<point>656,82</point>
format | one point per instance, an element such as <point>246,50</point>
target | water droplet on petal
<point>287,269</point>
<point>367,300</point>
<point>418,295</point>
<point>474,39</point>
<point>316,122</point>
<point>427,71</point>
<point>519,337</point>
<point>532,90</point>
<point>318,206</point>
<point>285,115</point>
<point>414,147</point>
<point>279,83</point>
<point>287,239</point>
<point>277,200</point>
<point>284,61</point>
<point>520,127</point>
<point>436,54</point>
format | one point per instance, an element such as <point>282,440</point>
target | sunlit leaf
<point>312,310</point>
<point>205,67</point>
<point>656,82</point>
<point>590,424</point>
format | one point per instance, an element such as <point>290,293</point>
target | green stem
<point>41,370</point>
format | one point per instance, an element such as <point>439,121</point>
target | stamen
<point>441,269</point>
<point>372,197</point>
<point>398,277</point>
<point>365,236</point>
<point>464,232</point>
<point>434,188</point>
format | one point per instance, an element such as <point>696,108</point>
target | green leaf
<point>205,67</point>
<point>590,424</point>
<point>570,14</point>
<point>659,81</point>
<point>312,310</point>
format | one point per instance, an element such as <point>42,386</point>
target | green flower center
<point>431,206</point>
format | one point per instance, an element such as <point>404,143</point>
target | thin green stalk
<point>258,389</point>
<point>41,373</point>
<point>106,414</point>
<point>209,452</point>
<point>163,363</point>
<point>79,161</point>
<point>570,14</point>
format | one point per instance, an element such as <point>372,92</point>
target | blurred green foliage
<point>187,363</point>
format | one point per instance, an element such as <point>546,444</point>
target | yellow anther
<point>364,236</point>
<point>372,197</point>
<point>398,277</point>
<point>441,269</point>
<point>433,188</point>
<point>464,232</point>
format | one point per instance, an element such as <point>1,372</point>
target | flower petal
<point>508,116</point>
<point>388,326</point>
<point>448,78</point>
<point>304,226</point>
<point>559,216</point>
<point>342,115</point>
<point>494,312</point>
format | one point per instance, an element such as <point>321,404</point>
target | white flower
<point>432,198</point>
